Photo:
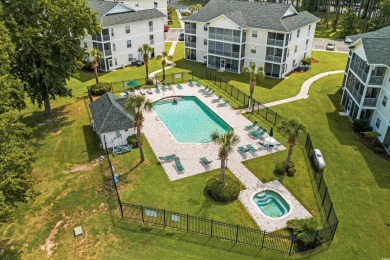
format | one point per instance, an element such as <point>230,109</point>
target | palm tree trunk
<point>146,60</point>
<point>223,165</point>
<point>252,84</point>
<point>163,67</point>
<point>47,106</point>
<point>139,141</point>
<point>95,70</point>
<point>290,151</point>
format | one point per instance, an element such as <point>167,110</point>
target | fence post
<point>142,213</point>
<point>236,233</point>
<point>330,210</point>
<point>292,243</point>
<point>319,185</point>
<point>220,83</point>
<point>211,231</point>
<point>315,239</point>
<point>238,92</point>
<point>262,243</point>
<point>266,114</point>
<point>187,222</point>
<point>276,116</point>
<point>89,95</point>
<point>323,200</point>
<point>192,75</point>
<point>334,230</point>
<point>165,224</point>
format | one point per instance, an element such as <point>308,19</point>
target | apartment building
<point>124,30</point>
<point>226,35</point>
<point>366,84</point>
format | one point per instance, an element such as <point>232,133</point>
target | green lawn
<point>175,21</point>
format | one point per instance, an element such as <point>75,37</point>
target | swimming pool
<point>189,120</point>
<point>271,204</point>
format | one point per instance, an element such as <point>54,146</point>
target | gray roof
<point>103,7</point>
<point>376,45</point>
<point>254,14</point>
<point>109,115</point>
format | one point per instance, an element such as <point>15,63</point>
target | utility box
<point>319,159</point>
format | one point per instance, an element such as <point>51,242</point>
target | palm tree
<point>96,56</point>
<point>137,105</point>
<point>192,8</point>
<point>145,50</point>
<point>226,143</point>
<point>254,74</point>
<point>293,128</point>
<point>198,7</point>
<point>164,56</point>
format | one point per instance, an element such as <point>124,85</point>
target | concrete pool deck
<point>163,144</point>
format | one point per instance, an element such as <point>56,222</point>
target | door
<point>222,64</point>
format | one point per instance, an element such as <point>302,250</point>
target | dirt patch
<point>375,147</point>
<point>314,60</point>
<point>49,244</point>
<point>56,132</point>
<point>83,167</point>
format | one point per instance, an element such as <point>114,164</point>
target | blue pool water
<point>271,203</point>
<point>189,120</point>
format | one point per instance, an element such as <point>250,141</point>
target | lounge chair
<point>251,148</point>
<point>259,134</point>
<point>148,90</point>
<point>164,88</point>
<point>169,86</point>
<point>122,149</point>
<point>142,91</point>
<point>249,127</point>
<point>263,145</point>
<point>216,100</point>
<point>157,89</point>
<point>204,89</point>
<point>179,167</point>
<point>210,94</point>
<point>167,158</point>
<point>258,130</point>
<point>205,162</point>
<point>223,104</point>
<point>197,83</point>
<point>179,86</point>
<point>190,83</point>
<point>243,150</point>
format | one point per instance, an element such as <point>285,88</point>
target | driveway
<point>320,44</point>
<point>173,34</point>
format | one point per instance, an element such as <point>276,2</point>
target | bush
<point>222,191</point>
<point>279,168</point>
<point>87,66</point>
<point>361,125</point>
<point>185,13</point>
<point>132,140</point>
<point>100,89</point>
<point>302,225</point>
<point>149,82</point>
<point>306,61</point>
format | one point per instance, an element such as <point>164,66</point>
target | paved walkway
<point>304,92</point>
<point>179,17</point>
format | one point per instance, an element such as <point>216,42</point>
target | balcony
<point>150,28</point>
<point>190,31</point>
<point>191,44</point>
<point>107,53</point>
<point>370,102</point>
<point>273,58</point>
<point>275,42</point>
<point>97,37</point>
<point>106,37</point>
<point>355,94</point>
<point>359,72</point>
<point>376,80</point>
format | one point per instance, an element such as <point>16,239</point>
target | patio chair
<point>210,94</point>
<point>262,145</point>
<point>148,90</point>
<point>205,161</point>
<point>258,130</point>
<point>216,100</point>
<point>179,86</point>
<point>249,127</point>
<point>179,167</point>
<point>190,83</point>
<point>169,85</point>
<point>223,104</point>
<point>157,89</point>
<point>197,83</point>
<point>243,150</point>
<point>204,89</point>
<point>142,91</point>
<point>164,88</point>
<point>167,158</point>
<point>122,149</point>
<point>259,134</point>
<point>251,148</point>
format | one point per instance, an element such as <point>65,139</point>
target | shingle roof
<point>140,15</point>
<point>254,14</point>
<point>376,45</point>
<point>103,7</point>
<point>109,115</point>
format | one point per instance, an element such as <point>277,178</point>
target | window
<point>155,4</point>
<point>151,38</point>
<point>112,32</point>
<point>127,27</point>
<point>296,48</point>
<point>115,61</point>
<point>136,4</point>
<point>130,57</point>
<point>299,30</point>
<point>308,31</point>
<point>304,55</point>
<point>85,45</point>
<point>254,34</point>
<point>307,43</point>
<point>378,122</point>
<point>128,43</point>
<point>205,27</point>
<point>253,50</point>
<point>113,47</point>
<point>289,37</point>
<point>205,41</point>
<point>293,63</point>
<point>151,24</point>
<point>384,101</point>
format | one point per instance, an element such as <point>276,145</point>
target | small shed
<point>111,120</point>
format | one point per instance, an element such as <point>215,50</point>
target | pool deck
<point>164,144</point>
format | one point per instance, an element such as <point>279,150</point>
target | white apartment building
<point>366,84</point>
<point>124,30</point>
<point>226,35</point>
<point>161,5</point>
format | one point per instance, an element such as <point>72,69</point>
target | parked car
<point>347,40</point>
<point>166,28</point>
<point>330,46</point>
<point>181,37</point>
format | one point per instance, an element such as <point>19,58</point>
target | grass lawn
<point>175,21</point>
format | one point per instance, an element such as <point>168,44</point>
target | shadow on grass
<point>84,76</point>
<point>8,251</point>
<point>92,143</point>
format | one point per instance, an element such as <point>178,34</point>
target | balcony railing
<point>106,37</point>
<point>150,28</point>
<point>355,93</point>
<point>97,37</point>
<point>376,80</point>
<point>275,42</point>
<point>107,53</point>
<point>273,58</point>
<point>360,72</point>
<point>370,102</point>
<point>190,31</point>
<point>191,44</point>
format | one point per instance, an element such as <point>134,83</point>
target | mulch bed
<point>375,147</point>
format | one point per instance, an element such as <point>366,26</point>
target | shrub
<point>185,13</point>
<point>279,168</point>
<point>302,225</point>
<point>291,171</point>
<point>222,191</point>
<point>306,61</point>
<point>100,89</point>
<point>373,136</point>
<point>361,125</point>
<point>87,66</point>
<point>132,140</point>
<point>149,82</point>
